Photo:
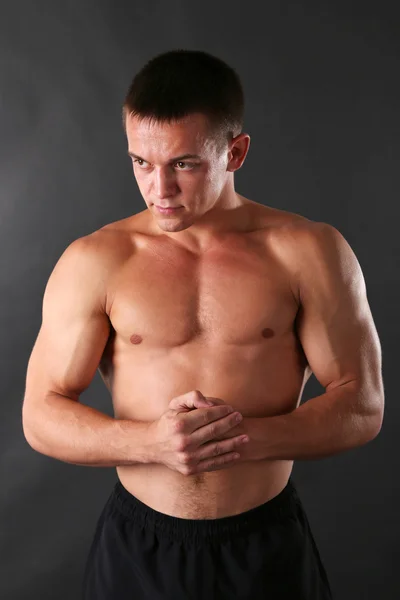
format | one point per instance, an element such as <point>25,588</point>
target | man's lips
<point>167,210</point>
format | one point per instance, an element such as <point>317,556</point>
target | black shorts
<point>138,553</point>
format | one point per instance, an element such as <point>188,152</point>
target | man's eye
<point>190,165</point>
<point>140,162</point>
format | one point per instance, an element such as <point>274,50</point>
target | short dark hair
<point>180,82</point>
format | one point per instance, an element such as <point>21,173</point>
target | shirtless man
<point>217,304</point>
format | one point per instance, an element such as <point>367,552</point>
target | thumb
<point>201,400</point>
<point>190,400</point>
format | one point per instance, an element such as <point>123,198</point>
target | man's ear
<point>238,151</point>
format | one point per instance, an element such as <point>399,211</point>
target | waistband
<point>260,517</point>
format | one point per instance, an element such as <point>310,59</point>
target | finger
<point>213,401</point>
<point>192,399</point>
<point>214,449</point>
<point>217,463</point>
<point>204,419</point>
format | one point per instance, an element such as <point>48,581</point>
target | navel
<point>136,339</point>
<point>267,332</point>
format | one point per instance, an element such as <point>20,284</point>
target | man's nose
<point>164,184</point>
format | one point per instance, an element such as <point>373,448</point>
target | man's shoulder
<point>114,238</point>
<point>306,247</point>
<point>107,246</point>
<point>101,253</point>
<point>123,228</point>
<point>284,225</point>
<point>292,228</point>
<point>298,241</point>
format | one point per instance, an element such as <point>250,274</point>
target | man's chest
<point>236,293</point>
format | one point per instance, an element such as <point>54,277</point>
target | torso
<point>223,323</point>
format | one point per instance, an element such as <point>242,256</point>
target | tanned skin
<point>227,298</point>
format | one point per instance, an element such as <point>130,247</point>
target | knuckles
<point>178,425</point>
<point>181,443</point>
<point>186,470</point>
<point>185,458</point>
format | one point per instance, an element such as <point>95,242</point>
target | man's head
<point>185,102</point>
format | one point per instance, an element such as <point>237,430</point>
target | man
<point>203,306</point>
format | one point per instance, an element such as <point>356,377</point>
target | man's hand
<point>190,441</point>
<point>253,427</point>
<point>238,429</point>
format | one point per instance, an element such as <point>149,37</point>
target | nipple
<point>267,332</point>
<point>136,339</point>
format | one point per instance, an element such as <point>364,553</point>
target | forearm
<point>75,433</point>
<point>328,424</point>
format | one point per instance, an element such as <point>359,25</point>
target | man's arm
<point>63,362</point>
<point>338,335</point>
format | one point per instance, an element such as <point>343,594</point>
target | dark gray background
<point>322,109</point>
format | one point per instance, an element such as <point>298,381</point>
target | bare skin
<point>202,302</point>
<point>222,322</point>
<point>206,299</point>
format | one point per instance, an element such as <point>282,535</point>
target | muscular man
<point>203,306</point>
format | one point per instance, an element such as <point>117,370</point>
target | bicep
<point>74,329</point>
<point>335,325</point>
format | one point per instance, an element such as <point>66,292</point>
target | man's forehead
<point>192,119</point>
<point>195,126</point>
<point>190,134</point>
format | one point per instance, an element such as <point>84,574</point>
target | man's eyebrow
<point>173,160</point>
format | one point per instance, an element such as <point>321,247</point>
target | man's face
<point>167,178</point>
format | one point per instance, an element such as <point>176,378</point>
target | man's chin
<point>172,225</point>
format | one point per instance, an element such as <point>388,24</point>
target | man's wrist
<point>134,441</point>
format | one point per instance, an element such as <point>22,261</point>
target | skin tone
<point>203,186</point>
<point>245,317</point>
